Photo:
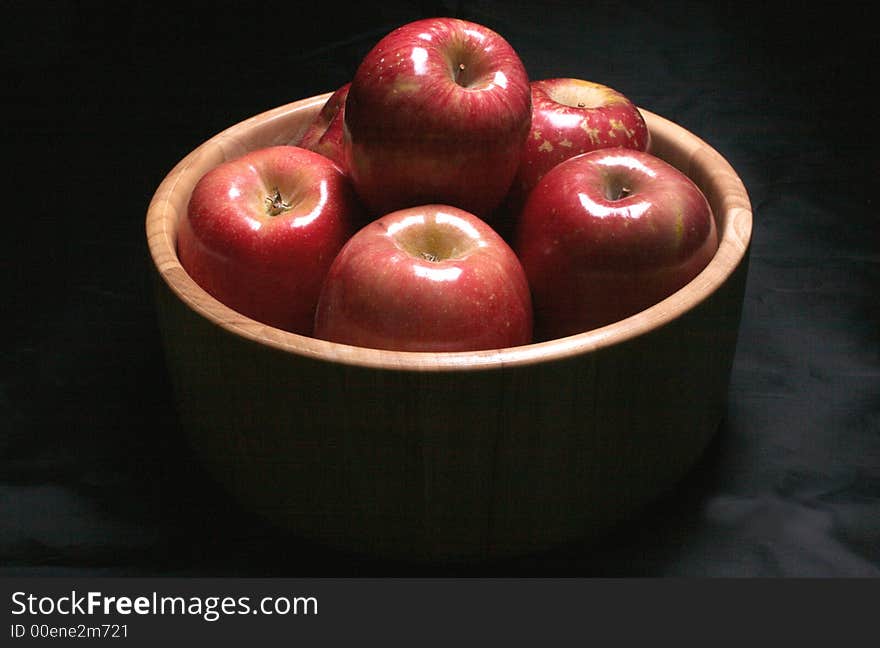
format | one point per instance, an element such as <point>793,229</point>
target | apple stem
<point>433,258</point>
<point>459,72</point>
<point>275,204</point>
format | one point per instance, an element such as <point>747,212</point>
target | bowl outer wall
<point>452,455</point>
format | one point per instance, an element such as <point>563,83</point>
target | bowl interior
<point>282,125</point>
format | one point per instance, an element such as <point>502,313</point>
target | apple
<point>570,117</point>
<point>437,112</point>
<point>608,233</point>
<point>261,231</point>
<point>426,278</point>
<point>324,134</point>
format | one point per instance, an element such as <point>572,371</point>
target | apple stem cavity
<point>275,204</point>
<point>580,96</point>
<point>616,189</point>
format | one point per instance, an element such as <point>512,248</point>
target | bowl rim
<point>735,229</point>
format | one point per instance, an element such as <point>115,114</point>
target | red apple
<point>324,134</point>
<point>261,231</point>
<point>437,112</point>
<point>570,117</point>
<point>607,234</point>
<point>426,278</point>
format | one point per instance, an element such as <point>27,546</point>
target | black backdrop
<point>102,99</point>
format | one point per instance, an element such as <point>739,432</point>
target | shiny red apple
<point>570,117</point>
<point>607,234</point>
<point>437,112</point>
<point>324,134</point>
<point>261,231</point>
<point>426,278</point>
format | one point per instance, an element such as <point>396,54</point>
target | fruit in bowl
<point>437,112</point>
<point>472,454</point>
<point>261,231</point>
<point>609,233</point>
<point>427,278</point>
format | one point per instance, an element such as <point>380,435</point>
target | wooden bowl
<point>451,456</point>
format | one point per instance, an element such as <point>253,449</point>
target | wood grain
<point>451,456</point>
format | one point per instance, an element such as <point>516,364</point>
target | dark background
<point>102,99</point>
